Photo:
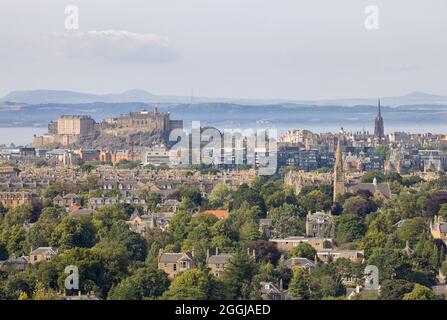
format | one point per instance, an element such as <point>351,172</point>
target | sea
<point>20,136</point>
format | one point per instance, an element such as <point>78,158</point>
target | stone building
<point>218,262</point>
<point>320,224</point>
<point>75,125</point>
<point>12,200</point>
<point>67,130</point>
<point>173,263</point>
<point>142,121</point>
<point>42,254</point>
<point>288,244</point>
<point>438,229</point>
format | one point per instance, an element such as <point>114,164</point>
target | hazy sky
<point>291,49</point>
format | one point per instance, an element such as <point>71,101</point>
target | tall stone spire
<point>378,127</point>
<point>339,176</point>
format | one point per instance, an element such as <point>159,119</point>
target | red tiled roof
<point>219,214</point>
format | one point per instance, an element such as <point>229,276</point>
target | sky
<point>278,49</point>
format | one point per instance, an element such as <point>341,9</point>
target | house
<point>289,243</point>
<point>327,255</point>
<point>173,263</point>
<point>301,263</point>
<point>42,254</point>
<point>170,205</point>
<point>12,200</point>
<point>438,229</point>
<point>95,203</point>
<point>67,201</point>
<point>17,264</point>
<point>141,223</point>
<point>319,224</point>
<point>218,262</point>
<point>219,214</point>
<point>270,291</point>
<point>8,172</point>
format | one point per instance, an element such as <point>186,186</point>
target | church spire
<point>339,176</point>
<point>378,125</point>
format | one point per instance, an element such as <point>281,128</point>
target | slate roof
<point>174,257</point>
<point>44,251</point>
<point>221,258</point>
<point>383,188</point>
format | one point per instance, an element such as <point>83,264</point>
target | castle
<point>74,130</point>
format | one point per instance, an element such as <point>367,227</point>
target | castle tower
<point>339,176</point>
<point>378,127</point>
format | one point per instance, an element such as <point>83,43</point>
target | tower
<point>378,127</point>
<point>339,176</point>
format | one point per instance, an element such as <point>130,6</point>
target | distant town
<point>345,215</point>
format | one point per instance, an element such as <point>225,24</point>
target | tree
<point>304,250</point>
<point>349,228</point>
<point>420,293</point>
<point>265,251</point>
<point>238,275</point>
<point>115,261</point>
<point>411,229</point>
<point>74,232</point>
<point>18,216</point>
<point>191,199</point>
<point>407,206</point>
<point>299,285</point>
<point>135,245</point>
<point>369,176</point>
<point>193,284</point>
<point>324,282</point>
<point>250,231</point>
<point>392,264</point>
<point>244,194</point>
<point>41,293</point>
<point>179,226</point>
<point>315,200</point>
<point>286,221</point>
<point>220,196</point>
<point>40,233</point>
<point>146,283</point>
<point>395,289</point>
<point>358,206</point>
<point>105,217</point>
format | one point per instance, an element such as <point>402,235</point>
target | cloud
<point>113,46</point>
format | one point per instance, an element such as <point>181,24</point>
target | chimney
<point>217,251</point>
<point>207,254</point>
<point>280,284</point>
<point>192,252</point>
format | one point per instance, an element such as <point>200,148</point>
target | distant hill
<point>139,95</point>
<point>72,97</point>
